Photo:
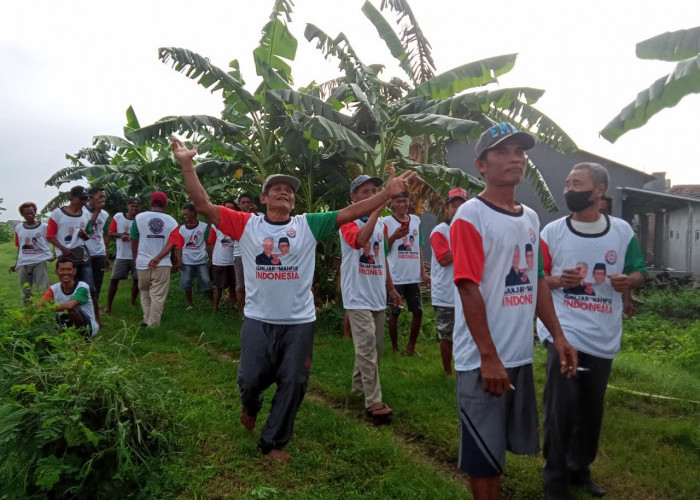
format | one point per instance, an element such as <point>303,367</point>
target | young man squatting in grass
<point>573,407</point>
<point>278,330</point>
<point>493,348</point>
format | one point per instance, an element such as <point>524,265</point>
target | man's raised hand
<point>397,185</point>
<point>181,152</point>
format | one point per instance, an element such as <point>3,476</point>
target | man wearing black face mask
<point>592,322</point>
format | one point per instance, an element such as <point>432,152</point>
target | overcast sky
<point>70,69</point>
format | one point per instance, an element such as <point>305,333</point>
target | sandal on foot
<point>379,411</point>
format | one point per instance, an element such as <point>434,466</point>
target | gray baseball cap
<point>499,133</point>
<point>285,179</point>
<point>361,179</point>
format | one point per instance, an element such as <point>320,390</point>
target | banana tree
<point>681,46</point>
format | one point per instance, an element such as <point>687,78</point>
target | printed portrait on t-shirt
<point>529,257</point>
<point>516,275</point>
<point>584,287</point>
<point>192,241</point>
<point>366,257</point>
<point>375,250</point>
<point>27,245</point>
<point>283,245</point>
<point>601,287</point>
<point>69,237</point>
<point>267,258</point>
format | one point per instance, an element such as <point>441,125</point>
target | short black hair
<point>63,259</point>
<point>190,207</point>
<point>94,190</point>
<point>245,195</point>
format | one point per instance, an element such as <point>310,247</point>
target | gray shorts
<point>490,425</point>
<point>121,268</point>
<point>445,321</point>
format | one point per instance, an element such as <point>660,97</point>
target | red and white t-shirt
<point>590,313</point>
<point>224,248</point>
<point>193,241</point>
<point>442,287</point>
<point>153,230</point>
<point>363,270</point>
<point>488,248</point>
<point>404,256</point>
<point>96,243</point>
<point>278,262</point>
<point>31,243</point>
<point>122,225</point>
<point>65,227</point>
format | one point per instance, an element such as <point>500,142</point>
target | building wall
<point>683,244</point>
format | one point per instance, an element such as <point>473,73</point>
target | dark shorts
<point>201,271</point>
<point>445,321</point>
<point>490,425</point>
<point>223,276</point>
<point>99,264</point>
<point>411,297</point>
<point>121,269</point>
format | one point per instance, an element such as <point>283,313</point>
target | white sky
<point>70,69</point>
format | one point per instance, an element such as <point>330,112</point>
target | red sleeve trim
<point>176,238</point>
<point>113,226</point>
<point>232,222</point>
<point>48,295</point>
<point>212,236</point>
<point>440,245</point>
<point>349,232</point>
<point>51,228</point>
<point>16,240</point>
<point>546,257</point>
<point>467,252</point>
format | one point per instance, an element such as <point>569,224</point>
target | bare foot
<point>248,421</point>
<point>106,310</point>
<point>279,456</point>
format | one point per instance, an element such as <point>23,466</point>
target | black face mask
<point>578,200</point>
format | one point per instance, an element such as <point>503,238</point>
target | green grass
<point>649,447</point>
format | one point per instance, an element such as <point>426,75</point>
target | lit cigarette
<point>582,369</point>
<point>512,387</point>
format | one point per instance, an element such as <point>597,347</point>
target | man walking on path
<point>573,407</point>
<point>153,236</point>
<point>119,229</point>
<point>407,268</point>
<point>365,286</point>
<point>278,330</point>
<point>442,289</point>
<point>194,238</point>
<point>493,348</point>
<point>32,252</point>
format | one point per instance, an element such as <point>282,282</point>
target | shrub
<point>681,303</point>
<point>7,232</point>
<point>78,418</point>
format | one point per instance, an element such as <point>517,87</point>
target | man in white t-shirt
<point>123,266</point>
<point>97,244</point>
<point>194,242</point>
<point>492,338</point>
<point>247,206</point>
<point>589,307</point>
<point>365,281</point>
<point>407,268</point>
<point>442,288</point>
<point>278,330</point>
<point>32,252</point>
<point>153,236</point>
<point>72,298</point>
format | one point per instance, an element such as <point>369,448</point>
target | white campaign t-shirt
<point>31,244</point>
<point>65,227</point>
<point>483,239</point>
<point>363,270</point>
<point>96,243</point>
<point>81,293</point>
<point>122,225</point>
<point>153,230</point>
<point>193,241</point>
<point>591,312</point>
<point>224,248</point>
<point>442,287</point>
<point>404,256</point>
<point>277,284</point>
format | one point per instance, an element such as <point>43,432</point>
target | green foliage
<point>683,303</point>
<point>7,232</point>
<point>78,419</point>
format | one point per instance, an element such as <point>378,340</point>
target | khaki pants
<point>368,336</point>
<point>153,285</point>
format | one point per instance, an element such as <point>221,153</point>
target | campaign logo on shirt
<point>611,257</point>
<point>593,295</point>
<point>369,259</point>
<point>532,234</point>
<point>156,225</point>
<point>291,232</point>
<point>518,288</point>
<point>269,265</point>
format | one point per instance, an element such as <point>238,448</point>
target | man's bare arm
<point>196,191</point>
<point>568,356</point>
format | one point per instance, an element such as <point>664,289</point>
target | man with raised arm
<point>589,307</point>
<point>278,330</point>
<point>493,334</point>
